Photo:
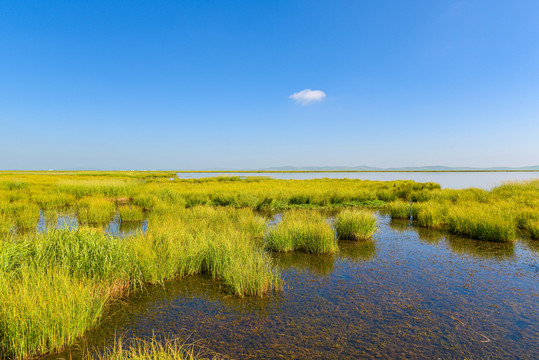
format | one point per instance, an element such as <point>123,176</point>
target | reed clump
<point>172,348</point>
<point>6,227</point>
<point>494,215</point>
<point>483,224</point>
<point>355,225</point>
<point>44,310</point>
<point>218,242</point>
<point>95,210</point>
<point>399,210</point>
<point>430,215</point>
<point>302,230</point>
<point>25,215</point>
<point>131,213</point>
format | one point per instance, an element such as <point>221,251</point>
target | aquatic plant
<point>198,226</point>
<point>172,348</point>
<point>302,230</point>
<point>483,224</point>
<point>431,215</point>
<point>355,225</point>
<point>24,214</point>
<point>130,213</point>
<point>95,210</point>
<point>399,209</point>
<point>44,310</point>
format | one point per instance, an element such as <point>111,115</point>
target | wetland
<point>264,268</point>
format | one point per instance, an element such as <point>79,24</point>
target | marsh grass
<point>431,215</point>
<point>130,213</point>
<point>355,225</point>
<point>24,215</point>
<point>153,349</point>
<point>399,210</point>
<point>221,243</point>
<point>483,224</point>
<point>494,215</point>
<point>44,310</point>
<point>56,285</point>
<point>95,210</point>
<point>532,226</point>
<point>6,227</point>
<point>302,230</point>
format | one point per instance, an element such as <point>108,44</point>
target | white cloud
<point>308,96</point>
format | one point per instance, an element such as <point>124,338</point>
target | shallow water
<point>408,293</point>
<point>115,227</point>
<point>450,180</point>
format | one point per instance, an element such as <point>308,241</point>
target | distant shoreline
<point>267,171</point>
<point>347,171</point>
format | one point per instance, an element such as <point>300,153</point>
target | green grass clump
<point>24,214</point>
<point>483,224</point>
<point>6,226</point>
<point>95,210</point>
<point>532,227</point>
<point>130,213</point>
<point>355,225</point>
<point>83,253</point>
<point>44,310</point>
<point>430,215</point>
<point>152,349</point>
<point>218,242</point>
<point>399,210</point>
<point>302,230</point>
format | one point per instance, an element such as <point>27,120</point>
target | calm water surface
<point>115,227</point>
<point>410,293</point>
<point>451,180</point>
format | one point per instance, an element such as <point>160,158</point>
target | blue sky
<point>207,84</point>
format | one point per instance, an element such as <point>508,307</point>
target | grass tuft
<point>355,225</point>
<point>302,230</point>
<point>131,213</point>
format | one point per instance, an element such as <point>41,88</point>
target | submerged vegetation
<point>57,284</point>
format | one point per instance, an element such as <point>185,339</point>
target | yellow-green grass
<point>95,210</point>
<point>222,243</point>
<point>24,214</point>
<point>130,213</point>
<point>431,215</point>
<point>6,227</point>
<point>355,225</point>
<point>494,215</point>
<point>43,310</point>
<point>302,230</point>
<point>399,209</point>
<point>152,349</point>
<point>532,226</point>
<point>218,240</point>
<point>481,223</point>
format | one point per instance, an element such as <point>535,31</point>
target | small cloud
<point>307,96</point>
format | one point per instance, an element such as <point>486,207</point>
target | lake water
<point>410,293</point>
<point>451,180</point>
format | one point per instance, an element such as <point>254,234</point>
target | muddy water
<point>409,293</point>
